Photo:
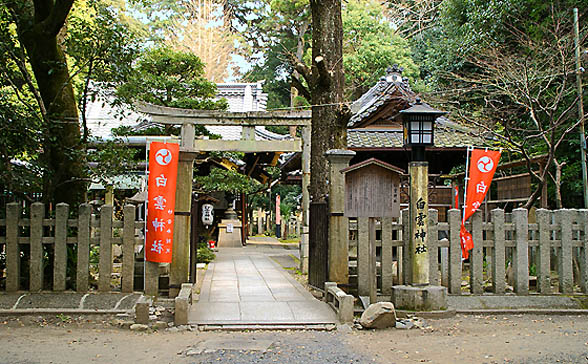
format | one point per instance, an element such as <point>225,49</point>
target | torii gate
<point>189,147</point>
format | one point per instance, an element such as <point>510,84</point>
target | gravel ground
<point>463,339</point>
<point>303,348</point>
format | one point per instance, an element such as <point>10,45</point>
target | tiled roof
<point>387,88</point>
<point>391,138</point>
<point>394,91</point>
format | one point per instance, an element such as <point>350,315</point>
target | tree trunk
<point>63,178</point>
<point>62,154</point>
<point>557,183</point>
<point>329,116</point>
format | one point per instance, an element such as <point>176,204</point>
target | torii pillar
<point>180,266</point>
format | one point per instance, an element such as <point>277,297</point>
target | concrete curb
<point>51,311</point>
<point>523,311</point>
<point>441,314</point>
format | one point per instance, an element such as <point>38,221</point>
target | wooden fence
<point>71,252</point>
<point>554,248</point>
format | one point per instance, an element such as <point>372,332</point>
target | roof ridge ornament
<point>394,74</point>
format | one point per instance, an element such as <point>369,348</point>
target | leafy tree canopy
<point>370,46</point>
<point>171,78</point>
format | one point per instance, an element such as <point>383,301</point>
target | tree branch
<point>304,71</point>
<point>301,88</point>
<point>51,26</point>
<point>324,76</point>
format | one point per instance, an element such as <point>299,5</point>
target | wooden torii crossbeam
<point>189,147</point>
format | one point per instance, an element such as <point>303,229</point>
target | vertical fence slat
<point>128,249</point>
<point>454,252</point>
<point>36,247</point>
<point>405,249</point>
<point>60,257</point>
<point>433,243</point>
<point>372,269</point>
<point>387,265</point>
<point>583,216</point>
<point>543,263</point>
<point>83,266</point>
<point>521,261</point>
<point>498,253</point>
<point>363,256</point>
<point>12,250</point>
<point>105,262</point>
<point>151,270</point>
<point>566,281</point>
<point>477,256</point>
<point>445,266</point>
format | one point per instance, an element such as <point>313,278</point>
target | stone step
<point>269,326</point>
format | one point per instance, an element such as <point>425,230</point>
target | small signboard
<point>372,189</point>
<point>229,228</point>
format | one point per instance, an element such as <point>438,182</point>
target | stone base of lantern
<point>229,234</point>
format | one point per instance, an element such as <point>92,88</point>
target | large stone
<point>139,327</point>
<point>378,316</point>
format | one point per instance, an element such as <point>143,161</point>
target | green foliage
<point>281,31</point>
<point>370,46</point>
<point>170,78</point>
<point>94,255</point>
<point>462,28</point>
<point>507,65</point>
<point>125,130</point>
<point>100,45</point>
<point>226,180</point>
<point>205,255</point>
<point>19,139</point>
<point>98,48</point>
<point>283,34</point>
<point>113,158</point>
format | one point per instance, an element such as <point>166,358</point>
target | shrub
<point>205,255</point>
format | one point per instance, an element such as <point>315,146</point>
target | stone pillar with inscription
<point>418,215</point>
<point>419,295</point>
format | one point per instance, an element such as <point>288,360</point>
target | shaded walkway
<point>245,286</point>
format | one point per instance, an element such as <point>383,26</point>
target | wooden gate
<point>318,245</point>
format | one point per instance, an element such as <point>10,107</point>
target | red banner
<point>483,164</point>
<point>456,196</point>
<point>163,172</point>
<point>278,215</point>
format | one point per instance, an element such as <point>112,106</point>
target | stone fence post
<point>338,223</point>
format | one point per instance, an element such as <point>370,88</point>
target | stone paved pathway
<point>244,286</point>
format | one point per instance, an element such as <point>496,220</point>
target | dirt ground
<point>481,339</point>
<point>462,339</point>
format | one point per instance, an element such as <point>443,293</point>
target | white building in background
<point>102,117</point>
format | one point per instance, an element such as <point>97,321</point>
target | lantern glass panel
<point>427,126</point>
<point>414,127</point>
<point>427,138</point>
<point>414,138</point>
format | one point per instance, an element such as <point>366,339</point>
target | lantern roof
<point>420,107</point>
